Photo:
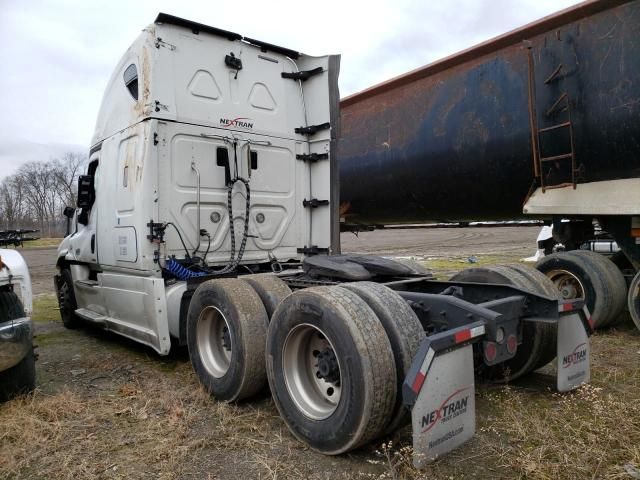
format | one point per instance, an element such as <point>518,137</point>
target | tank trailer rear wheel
<point>404,331</point>
<point>581,274</point>
<point>634,300</point>
<point>536,337</point>
<point>331,369</point>
<point>271,289</point>
<point>617,283</point>
<point>226,334</point>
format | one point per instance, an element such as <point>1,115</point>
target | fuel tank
<point>553,104</point>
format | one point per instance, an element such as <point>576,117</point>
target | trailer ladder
<point>562,104</point>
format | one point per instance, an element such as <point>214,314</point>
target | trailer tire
<point>405,334</point>
<point>226,334</point>
<point>67,300</point>
<point>534,335</point>
<point>617,283</point>
<point>578,276</point>
<point>271,289</point>
<point>633,300</point>
<point>355,361</point>
<point>544,286</point>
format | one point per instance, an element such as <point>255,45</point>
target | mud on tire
<point>271,289</point>
<point>404,332</point>
<point>226,333</point>
<point>331,369</point>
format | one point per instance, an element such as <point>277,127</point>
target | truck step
<point>86,283</point>
<point>91,315</point>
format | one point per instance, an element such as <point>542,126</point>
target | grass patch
<point>42,243</point>
<point>141,431</point>
<point>443,268</point>
<point>45,308</point>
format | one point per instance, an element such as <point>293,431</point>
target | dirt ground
<point>42,266</point>
<point>108,408</point>
<point>508,242</point>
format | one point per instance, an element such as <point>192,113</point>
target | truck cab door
<point>83,243</point>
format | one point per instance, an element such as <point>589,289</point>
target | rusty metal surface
<point>556,20</point>
<point>458,139</point>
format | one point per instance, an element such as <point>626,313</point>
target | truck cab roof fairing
<point>154,52</point>
<point>196,27</point>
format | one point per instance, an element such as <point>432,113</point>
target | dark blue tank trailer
<point>543,122</point>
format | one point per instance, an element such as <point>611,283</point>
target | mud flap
<point>440,386</point>
<point>574,328</point>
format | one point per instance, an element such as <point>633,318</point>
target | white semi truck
<point>208,218</point>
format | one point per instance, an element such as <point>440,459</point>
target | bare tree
<point>12,202</point>
<point>36,194</point>
<point>66,172</point>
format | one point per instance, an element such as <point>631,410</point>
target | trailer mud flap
<point>573,349</point>
<point>441,388</point>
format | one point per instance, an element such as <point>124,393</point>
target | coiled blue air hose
<point>181,272</point>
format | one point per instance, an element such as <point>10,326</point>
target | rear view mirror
<point>69,212</point>
<point>86,191</point>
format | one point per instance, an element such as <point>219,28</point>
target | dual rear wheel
<point>335,356</point>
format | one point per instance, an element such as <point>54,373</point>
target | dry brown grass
<point>528,431</point>
<point>142,430</point>
<point>108,409</point>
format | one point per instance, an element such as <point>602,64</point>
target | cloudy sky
<point>57,55</point>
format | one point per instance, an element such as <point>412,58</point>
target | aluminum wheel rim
<point>214,350</point>
<point>568,284</point>
<point>316,397</point>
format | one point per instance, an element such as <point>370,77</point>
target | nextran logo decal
<point>236,122</point>
<point>453,406</point>
<point>578,355</point>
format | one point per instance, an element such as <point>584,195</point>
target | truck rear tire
<point>633,300</point>
<point>404,331</point>
<point>331,369</point>
<point>271,289</point>
<point>67,300</point>
<point>534,335</point>
<point>417,267</point>
<point>226,334</point>
<point>542,285</point>
<point>21,378</point>
<point>577,275</point>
